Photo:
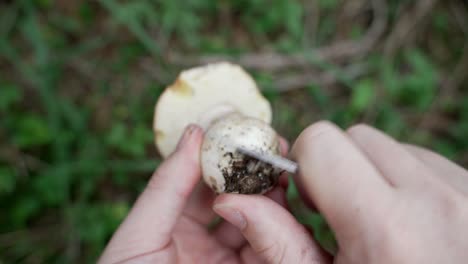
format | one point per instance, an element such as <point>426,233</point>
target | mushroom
<point>225,101</point>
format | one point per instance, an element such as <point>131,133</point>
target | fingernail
<point>186,136</point>
<point>231,215</point>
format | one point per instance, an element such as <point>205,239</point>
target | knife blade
<point>274,160</point>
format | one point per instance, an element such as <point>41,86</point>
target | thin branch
<point>155,71</point>
<point>17,158</point>
<point>454,81</point>
<point>301,80</point>
<point>311,22</point>
<point>448,88</point>
<point>460,14</point>
<point>406,24</point>
<point>351,49</point>
<point>270,61</point>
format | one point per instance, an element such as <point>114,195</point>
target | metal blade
<point>274,160</point>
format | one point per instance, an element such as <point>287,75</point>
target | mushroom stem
<point>224,168</point>
<point>214,114</point>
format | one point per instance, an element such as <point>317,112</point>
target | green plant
<point>79,79</point>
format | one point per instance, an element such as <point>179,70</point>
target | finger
<point>271,231</point>
<point>339,179</point>
<point>248,255</point>
<point>278,196</point>
<point>395,163</point>
<point>231,237</point>
<point>154,215</point>
<point>447,170</point>
<point>200,203</point>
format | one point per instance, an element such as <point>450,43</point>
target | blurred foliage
<point>79,80</point>
<point>311,219</point>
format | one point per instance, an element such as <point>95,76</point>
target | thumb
<point>271,231</point>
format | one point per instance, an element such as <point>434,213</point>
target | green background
<point>79,79</point>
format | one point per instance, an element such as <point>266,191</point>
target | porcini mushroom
<point>225,101</point>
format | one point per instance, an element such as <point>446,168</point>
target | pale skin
<point>387,202</point>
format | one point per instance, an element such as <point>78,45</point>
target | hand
<point>387,202</point>
<point>168,223</point>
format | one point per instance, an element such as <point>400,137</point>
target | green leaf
<point>26,206</point>
<point>265,81</point>
<point>293,12</point>
<point>440,21</point>
<point>33,33</point>
<point>7,180</point>
<point>10,94</point>
<point>130,141</point>
<point>292,192</point>
<point>390,120</point>
<point>31,130</point>
<point>363,95</point>
<point>87,13</point>
<point>74,115</point>
<point>306,216</point>
<point>341,116</point>
<point>43,3</point>
<point>53,185</point>
<point>328,4</point>
<point>319,97</point>
<point>446,148</point>
<point>130,15</point>
<point>390,79</point>
<point>96,222</point>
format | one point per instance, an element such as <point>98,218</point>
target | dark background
<point>79,80</point>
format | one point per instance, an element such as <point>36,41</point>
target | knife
<point>274,160</point>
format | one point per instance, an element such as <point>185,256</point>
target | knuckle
<point>449,203</point>
<point>311,133</point>
<point>318,129</point>
<point>272,253</point>
<point>225,257</point>
<point>392,239</point>
<point>307,255</point>
<point>358,129</point>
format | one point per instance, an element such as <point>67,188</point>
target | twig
<point>284,82</point>
<point>354,8</point>
<point>460,14</point>
<point>86,69</point>
<point>311,22</point>
<point>458,75</point>
<point>352,49</point>
<point>32,234</point>
<point>448,88</point>
<point>154,71</point>
<point>464,160</point>
<point>406,24</point>
<point>269,61</point>
<point>297,81</point>
<point>17,158</point>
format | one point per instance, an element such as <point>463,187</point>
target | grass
<point>79,79</point>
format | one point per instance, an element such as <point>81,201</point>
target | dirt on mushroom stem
<point>247,175</point>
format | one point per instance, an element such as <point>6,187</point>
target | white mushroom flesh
<point>226,170</point>
<point>201,94</point>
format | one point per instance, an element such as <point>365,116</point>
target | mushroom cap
<point>225,169</point>
<point>202,94</point>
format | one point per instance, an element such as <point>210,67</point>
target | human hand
<point>387,202</point>
<point>168,223</point>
